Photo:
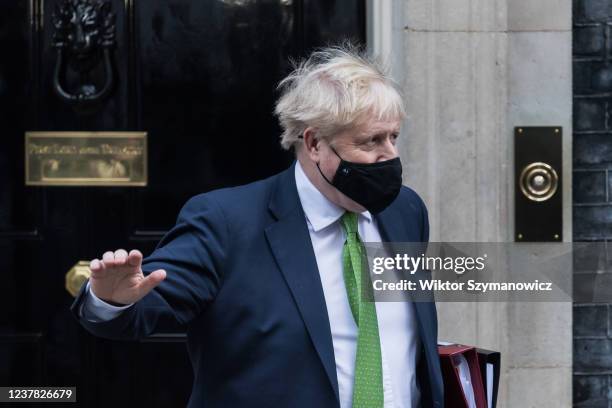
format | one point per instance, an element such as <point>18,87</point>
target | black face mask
<point>372,185</point>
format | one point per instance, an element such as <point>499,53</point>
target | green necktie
<point>367,387</point>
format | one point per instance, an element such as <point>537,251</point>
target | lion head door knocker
<point>84,39</point>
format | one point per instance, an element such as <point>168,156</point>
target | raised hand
<point>118,277</point>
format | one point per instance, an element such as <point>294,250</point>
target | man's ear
<point>311,144</point>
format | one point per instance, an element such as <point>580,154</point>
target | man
<point>264,275</point>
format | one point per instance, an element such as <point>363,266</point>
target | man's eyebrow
<point>364,137</point>
<point>381,133</point>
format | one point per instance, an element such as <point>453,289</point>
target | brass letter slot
<point>86,158</point>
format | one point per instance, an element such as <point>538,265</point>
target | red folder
<point>454,392</point>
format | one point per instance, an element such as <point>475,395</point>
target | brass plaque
<point>538,184</point>
<point>86,158</point>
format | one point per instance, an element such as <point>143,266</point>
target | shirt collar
<point>319,211</point>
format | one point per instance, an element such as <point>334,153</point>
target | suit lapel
<point>290,243</point>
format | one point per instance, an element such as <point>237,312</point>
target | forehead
<point>377,125</point>
<point>373,126</point>
<point>367,127</point>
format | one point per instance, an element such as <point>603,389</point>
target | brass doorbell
<point>538,184</point>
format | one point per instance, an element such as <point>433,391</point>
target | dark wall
<point>592,186</point>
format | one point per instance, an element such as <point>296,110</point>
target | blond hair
<point>334,89</point>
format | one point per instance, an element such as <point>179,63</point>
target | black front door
<point>199,78</point>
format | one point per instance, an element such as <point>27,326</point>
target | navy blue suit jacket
<point>242,277</point>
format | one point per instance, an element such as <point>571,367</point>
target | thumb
<point>151,281</point>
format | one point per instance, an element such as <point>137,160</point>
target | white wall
<point>472,70</point>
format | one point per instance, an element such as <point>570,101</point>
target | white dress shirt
<point>396,321</point>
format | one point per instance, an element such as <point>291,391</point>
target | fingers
<point>108,258</point>
<point>96,266</point>
<point>134,258</point>
<point>117,258</point>
<point>151,281</point>
<point>120,257</point>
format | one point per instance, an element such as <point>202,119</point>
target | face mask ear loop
<point>329,182</point>
<point>336,153</point>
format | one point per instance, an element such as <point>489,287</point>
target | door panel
<point>199,78</point>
